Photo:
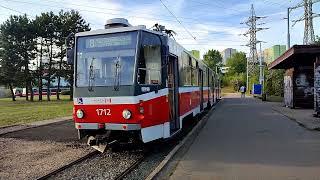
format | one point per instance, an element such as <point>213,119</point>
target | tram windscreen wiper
<point>91,76</point>
<point>117,74</point>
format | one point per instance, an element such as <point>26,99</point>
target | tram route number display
<point>103,112</point>
<point>108,41</point>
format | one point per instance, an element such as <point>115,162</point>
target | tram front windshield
<point>106,60</point>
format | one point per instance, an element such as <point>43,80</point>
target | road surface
<point>245,139</point>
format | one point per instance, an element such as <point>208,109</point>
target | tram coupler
<point>97,143</point>
<point>100,143</point>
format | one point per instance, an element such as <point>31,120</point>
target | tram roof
<point>116,30</point>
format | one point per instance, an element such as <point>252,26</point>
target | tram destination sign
<point>100,42</point>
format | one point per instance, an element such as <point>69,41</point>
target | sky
<point>204,24</point>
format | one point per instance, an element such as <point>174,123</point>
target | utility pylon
<point>252,61</point>
<point>308,16</point>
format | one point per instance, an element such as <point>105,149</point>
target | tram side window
<point>211,76</point>
<point>185,76</point>
<point>149,66</point>
<point>195,76</point>
<point>205,77</point>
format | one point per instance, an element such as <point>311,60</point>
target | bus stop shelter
<point>302,76</point>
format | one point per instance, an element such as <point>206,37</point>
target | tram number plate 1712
<point>103,112</point>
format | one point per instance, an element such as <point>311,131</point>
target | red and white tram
<point>135,83</point>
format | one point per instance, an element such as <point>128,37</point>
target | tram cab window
<point>149,64</point>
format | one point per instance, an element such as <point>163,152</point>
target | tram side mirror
<point>70,51</point>
<point>70,56</point>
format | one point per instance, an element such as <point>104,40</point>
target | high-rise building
<point>226,54</point>
<point>273,53</point>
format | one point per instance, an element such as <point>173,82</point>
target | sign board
<point>257,89</point>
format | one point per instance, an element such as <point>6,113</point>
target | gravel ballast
<point>103,166</point>
<point>32,153</point>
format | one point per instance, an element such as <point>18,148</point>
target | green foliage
<point>70,22</point>
<point>236,75</point>
<point>254,78</point>
<point>17,50</point>
<point>237,63</point>
<point>213,59</point>
<point>274,82</point>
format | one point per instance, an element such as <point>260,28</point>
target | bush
<point>274,82</point>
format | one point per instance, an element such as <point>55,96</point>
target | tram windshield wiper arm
<point>91,76</point>
<point>117,74</point>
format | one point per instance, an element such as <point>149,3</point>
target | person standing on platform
<point>243,91</point>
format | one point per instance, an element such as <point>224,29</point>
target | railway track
<point>92,154</point>
<point>129,169</point>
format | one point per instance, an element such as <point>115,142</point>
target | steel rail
<point>69,165</point>
<point>129,169</point>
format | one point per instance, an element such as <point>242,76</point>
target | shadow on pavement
<point>57,132</point>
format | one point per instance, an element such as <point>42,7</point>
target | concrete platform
<point>304,117</point>
<point>246,139</point>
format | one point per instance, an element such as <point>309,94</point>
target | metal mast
<point>308,37</point>
<point>308,16</point>
<point>252,60</point>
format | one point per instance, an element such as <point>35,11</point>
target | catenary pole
<point>288,24</point>
<point>260,67</point>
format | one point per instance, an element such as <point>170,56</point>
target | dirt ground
<point>32,153</point>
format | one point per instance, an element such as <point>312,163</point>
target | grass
<point>22,111</point>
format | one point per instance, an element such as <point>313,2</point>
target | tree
<point>10,65</point>
<point>17,50</point>
<point>50,20</point>
<point>23,40</point>
<point>27,49</point>
<point>237,63</point>
<point>67,22</point>
<point>236,75</point>
<point>213,59</point>
<point>40,23</point>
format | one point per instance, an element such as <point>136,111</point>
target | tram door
<point>173,97</point>
<point>201,88</point>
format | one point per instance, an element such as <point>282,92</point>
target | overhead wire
<point>41,4</point>
<point>117,10</point>
<point>5,7</point>
<point>111,13</point>
<point>178,20</point>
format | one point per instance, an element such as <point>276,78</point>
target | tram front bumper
<point>108,126</point>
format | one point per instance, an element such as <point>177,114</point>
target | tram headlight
<point>80,114</point>
<point>126,114</point>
